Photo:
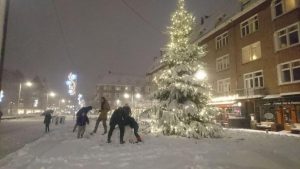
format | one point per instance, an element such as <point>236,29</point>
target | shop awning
<point>289,93</point>
<point>272,96</point>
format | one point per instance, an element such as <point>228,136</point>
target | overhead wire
<point>63,34</point>
<point>140,16</point>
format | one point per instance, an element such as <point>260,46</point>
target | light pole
<point>51,94</point>
<point>28,84</point>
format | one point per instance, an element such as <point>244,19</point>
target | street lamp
<point>51,94</point>
<point>200,75</point>
<point>137,96</point>
<point>28,84</point>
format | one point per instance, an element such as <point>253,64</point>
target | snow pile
<point>238,149</point>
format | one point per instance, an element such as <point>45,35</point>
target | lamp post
<point>51,94</point>
<point>28,84</point>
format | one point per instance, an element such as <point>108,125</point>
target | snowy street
<point>237,150</point>
<point>14,134</point>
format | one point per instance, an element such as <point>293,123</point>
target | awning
<point>250,97</point>
<point>272,96</point>
<point>289,93</point>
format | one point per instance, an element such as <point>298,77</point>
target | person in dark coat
<point>47,120</point>
<point>82,120</point>
<point>118,118</point>
<point>133,124</point>
<point>1,115</point>
<point>80,111</point>
<point>102,116</point>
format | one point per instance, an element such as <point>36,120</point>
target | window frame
<point>284,8</point>
<point>290,69</point>
<point>251,51</point>
<point>252,78</point>
<point>277,36</point>
<point>224,61</point>
<point>250,24</point>
<point>224,84</point>
<point>222,40</point>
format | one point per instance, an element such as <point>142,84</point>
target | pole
<point>19,97</point>
<point>3,39</point>
<point>46,100</point>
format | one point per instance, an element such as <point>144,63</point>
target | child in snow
<point>82,120</point>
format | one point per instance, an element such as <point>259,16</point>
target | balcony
<point>251,93</point>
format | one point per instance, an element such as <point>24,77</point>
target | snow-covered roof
<point>116,79</point>
<point>209,28</point>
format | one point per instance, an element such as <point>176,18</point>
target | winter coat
<point>117,116</point>
<point>131,122</point>
<point>82,119</point>
<point>1,114</point>
<point>104,110</point>
<point>47,118</point>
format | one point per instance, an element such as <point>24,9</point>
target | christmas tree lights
<point>183,92</point>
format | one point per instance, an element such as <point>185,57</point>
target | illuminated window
<point>222,40</point>
<point>251,52</point>
<point>287,37</point>
<point>280,7</point>
<point>289,72</point>
<point>249,26</point>
<point>222,63</point>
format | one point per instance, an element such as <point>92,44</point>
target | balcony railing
<point>247,93</point>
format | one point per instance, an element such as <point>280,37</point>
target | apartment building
<point>122,89</point>
<point>253,63</point>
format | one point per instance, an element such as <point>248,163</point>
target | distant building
<point>254,64</point>
<point>122,89</point>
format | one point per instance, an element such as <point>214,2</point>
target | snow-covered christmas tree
<point>183,92</point>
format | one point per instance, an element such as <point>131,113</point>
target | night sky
<point>51,38</point>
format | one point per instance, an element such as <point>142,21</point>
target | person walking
<point>118,118</point>
<point>102,116</point>
<point>1,115</point>
<point>47,120</point>
<point>82,120</point>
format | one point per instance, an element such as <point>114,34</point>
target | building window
<point>289,72</point>
<point>223,86</point>
<point>222,40</point>
<point>287,37</point>
<point>222,63</point>
<point>280,7</point>
<point>251,52</point>
<point>249,26</point>
<point>254,80</point>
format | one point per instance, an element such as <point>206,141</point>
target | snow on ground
<point>238,149</point>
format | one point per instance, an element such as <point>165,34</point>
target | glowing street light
<point>28,84</point>
<point>51,94</point>
<point>200,75</point>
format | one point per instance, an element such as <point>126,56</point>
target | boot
<point>138,139</point>
<point>104,133</point>
<point>122,142</point>
<point>108,141</point>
